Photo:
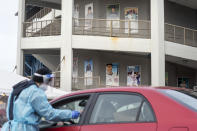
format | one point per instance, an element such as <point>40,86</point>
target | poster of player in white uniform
<point>131,20</point>
<point>133,76</point>
<point>112,74</point>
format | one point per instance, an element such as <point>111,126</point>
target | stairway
<point>52,29</point>
<point>44,28</point>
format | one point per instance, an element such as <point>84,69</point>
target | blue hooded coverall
<point>31,105</point>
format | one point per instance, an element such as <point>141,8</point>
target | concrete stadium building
<point>157,37</point>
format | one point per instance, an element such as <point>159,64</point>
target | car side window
<point>113,108</point>
<point>146,114</point>
<point>77,104</point>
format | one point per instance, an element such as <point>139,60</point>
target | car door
<point>120,111</point>
<point>79,103</point>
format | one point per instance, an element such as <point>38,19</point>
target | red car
<point>128,109</point>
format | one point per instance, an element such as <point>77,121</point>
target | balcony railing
<point>112,28</point>
<point>57,79</point>
<point>79,83</point>
<point>42,28</point>
<point>82,83</point>
<point>181,35</point>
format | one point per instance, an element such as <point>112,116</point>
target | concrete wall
<point>177,71</point>
<point>180,15</point>
<point>182,51</point>
<point>174,13</point>
<point>171,70</point>
<point>100,7</point>
<point>48,42</point>
<point>100,59</point>
<point>111,43</point>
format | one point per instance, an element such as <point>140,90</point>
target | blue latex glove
<point>75,114</point>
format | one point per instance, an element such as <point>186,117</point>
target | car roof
<point>119,89</point>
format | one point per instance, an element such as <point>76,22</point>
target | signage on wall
<point>131,17</point>
<point>88,16</point>
<point>75,69</point>
<point>113,13</point>
<point>76,14</point>
<point>133,76</point>
<point>166,79</point>
<point>112,74</point>
<point>88,72</point>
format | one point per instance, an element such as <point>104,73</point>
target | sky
<point>8,34</point>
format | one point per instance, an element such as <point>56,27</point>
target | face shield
<point>48,79</point>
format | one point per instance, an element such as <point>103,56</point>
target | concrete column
<point>21,17</point>
<point>66,49</point>
<point>157,40</point>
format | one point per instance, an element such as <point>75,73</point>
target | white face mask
<point>43,87</point>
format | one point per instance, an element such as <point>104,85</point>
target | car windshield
<point>186,98</point>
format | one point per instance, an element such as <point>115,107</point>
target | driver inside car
<point>28,103</point>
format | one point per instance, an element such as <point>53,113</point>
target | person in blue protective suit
<point>28,103</point>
